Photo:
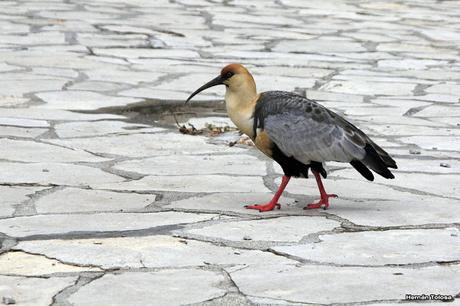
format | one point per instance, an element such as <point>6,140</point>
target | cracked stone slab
<point>54,173</point>
<point>369,88</point>
<point>147,53</point>
<point>31,151</point>
<point>93,223</point>
<point>281,229</point>
<point>172,287</point>
<point>21,87</point>
<point>302,284</point>
<point>191,183</point>
<point>233,202</point>
<point>20,263</point>
<point>13,196</point>
<point>12,101</point>
<point>356,188</point>
<point>33,291</point>
<point>21,132</point>
<point>446,184</point>
<point>146,145</point>
<point>409,210</point>
<point>241,164</point>
<point>157,251</point>
<point>98,128</point>
<point>81,100</point>
<point>19,114</point>
<point>447,143</point>
<point>317,45</point>
<point>21,122</point>
<point>381,247</point>
<point>74,200</point>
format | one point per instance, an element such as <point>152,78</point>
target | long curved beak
<point>216,81</point>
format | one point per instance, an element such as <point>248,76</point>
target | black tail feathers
<point>376,159</point>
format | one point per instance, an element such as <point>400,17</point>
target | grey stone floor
<point>98,209</point>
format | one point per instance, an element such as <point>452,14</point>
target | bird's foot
<point>324,201</point>
<point>265,207</point>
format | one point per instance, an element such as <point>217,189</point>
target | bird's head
<point>234,76</point>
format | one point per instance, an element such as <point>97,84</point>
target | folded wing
<point>307,131</point>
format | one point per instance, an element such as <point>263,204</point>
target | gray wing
<point>306,130</point>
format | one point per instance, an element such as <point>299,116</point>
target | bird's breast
<point>264,143</point>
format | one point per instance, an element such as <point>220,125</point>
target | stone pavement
<point>112,207</point>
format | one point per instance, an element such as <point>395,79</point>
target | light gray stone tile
<point>187,165</point>
<point>318,46</point>
<point>54,173</point>
<point>81,100</point>
<point>31,151</point>
<point>408,210</point>
<point>282,229</point>
<point>20,87</point>
<point>369,88</point>
<point>19,263</point>
<point>73,200</point>
<point>422,182</point>
<point>445,143</point>
<point>37,116</point>
<point>21,132</point>
<point>146,145</point>
<point>147,53</point>
<point>12,196</point>
<point>31,291</point>
<point>172,287</point>
<point>98,128</point>
<point>191,183</point>
<point>302,284</point>
<point>22,122</point>
<point>122,75</point>
<point>93,223</point>
<point>158,251</point>
<point>380,248</point>
<point>234,202</point>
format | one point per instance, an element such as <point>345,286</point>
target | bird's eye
<point>228,75</point>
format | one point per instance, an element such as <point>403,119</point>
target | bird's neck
<point>240,104</point>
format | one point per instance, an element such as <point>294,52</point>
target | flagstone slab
<point>172,287</point>
<point>74,200</point>
<point>93,223</point>
<point>54,173</point>
<point>31,151</point>
<point>146,145</point>
<point>81,100</point>
<point>381,247</point>
<point>281,229</point>
<point>13,196</point>
<point>12,131</point>
<point>33,291</point>
<point>87,129</point>
<point>20,263</point>
<point>157,251</point>
<point>190,183</point>
<point>240,164</point>
<point>234,202</point>
<point>302,284</point>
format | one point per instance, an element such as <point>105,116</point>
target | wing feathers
<point>309,132</point>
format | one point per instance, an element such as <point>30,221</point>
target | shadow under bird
<point>296,132</point>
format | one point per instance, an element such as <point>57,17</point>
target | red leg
<point>324,199</point>
<point>274,202</point>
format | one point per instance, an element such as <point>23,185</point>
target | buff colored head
<point>234,76</point>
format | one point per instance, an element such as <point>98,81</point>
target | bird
<point>298,133</point>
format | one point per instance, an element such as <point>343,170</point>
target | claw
<point>265,207</point>
<point>323,201</point>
